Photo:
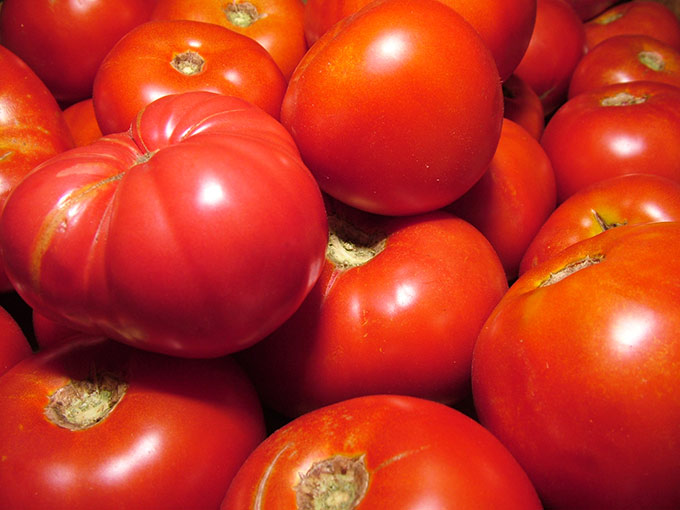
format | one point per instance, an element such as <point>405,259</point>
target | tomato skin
<point>402,323</point>
<point>142,236</point>
<point>189,420</point>
<point>522,105</point>
<point>82,122</point>
<point>513,198</point>
<point>624,58</point>
<point>451,462</point>
<point>396,114</point>
<point>139,69</point>
<point>614,130</point>
<point>622,200</point>
<point>588,9</point>
<point>13,343</point>
<point>64,41</point>
<point>278,24</point>
<point>635,17</point>
<point>579,378</point>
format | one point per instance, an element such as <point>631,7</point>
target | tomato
<point>624,58</point>
<point>13,343</point>
<point>32,127</point>
<point>504,25</point>
<point>513,198</point>
<point>173,56</point>
<point>622,200</point>
<point>97,424</point>
<point>522,105</point>
<point>49,332</point>
<point>64,41</point>
<point>159,238</point>
<point>379,452</point>
<point>82,122</point>
<point>635,17</point>
<point>576,371</point>
<point>393,113</point>
<point>587,9</point>
<point>614,130</point>
<point>278,25</point>
<point>557,44</point>
<point>397,309</point>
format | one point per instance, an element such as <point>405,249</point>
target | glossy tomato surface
<point>13,343</point>
<point>159,238</point>
<point>64,41</point>
<point>576,371</point>
<point>513,198</point>
<point>522,105</point>
<point>393,113</point>
<point>97,424</point>
<point>379,452</point>
<point>619,129</point>
<point>164,57</point>
<point>622,200</point>
<point>397,309</point>
<point>625,58</point>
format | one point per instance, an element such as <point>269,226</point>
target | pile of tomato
<point>340,254</point>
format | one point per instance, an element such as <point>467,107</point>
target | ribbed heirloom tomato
<point>197,233</point>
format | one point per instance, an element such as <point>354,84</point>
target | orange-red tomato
<point>522,105</point>
<point>82,122</point>
<point>13,343</point>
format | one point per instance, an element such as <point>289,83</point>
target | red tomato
<point>82,122</point>
<point>523,106</point>
<point>49,333</point>
<point>96,424</point>
<point>379,452</point>
<point>645,17</point>
<point>277,25</point>
<point>158,238</point>
<point>513,198</point>
<point>557,44</point>
<point>397,309</point>
<point>587,9</point>
<point>32,127</point>
<point>614,130</point>
<point>64,41</point>
<point>504,25</point>
<point>13,343</point>
<point>576,371</point>
<point>624,58</point>
<point>394,113</point>
<point>159,58</point>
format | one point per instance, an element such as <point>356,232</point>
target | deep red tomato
<point>513,198</point>
<point>82,122</point>
<point>624,58</point>
<point>587,9</point>
<point>173,56</point>
<point>645,17</point>
<point>378,452</point>
<point>97,424</point>
<point>623,200</point>
<point>522,105</point>
<point>576,371</point>
<point>13,343</point>
<point>64,41</point>
<point>619,129</point>
<point>397,310</point>
<point>48,332</point>
<point>32,127</point>
<point>396,113</point>
<point>557,45</point>
<point>159,238</point>
<point>278,25</point>
<point>504,25</point>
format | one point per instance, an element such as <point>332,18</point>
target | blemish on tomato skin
<point>261,486</point>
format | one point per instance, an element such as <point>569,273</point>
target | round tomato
<point>278,25</point>
<point>556,46</point>
<point>623,200</point>
<point>97,424</point>
<point>158,58</point>
<point>160,238</point>
<point>378,452</point>
<point>32,127</point>
<point>64,41</point>
<point>513,198</point>
<point>576,371</point>
<point>522,105</point>
<point>395,113</point>
<point>618,129</point>
<point>13,343</point>
<point>587,9</point>
<point>624,58</point>
<point>397,309</point>
<point>82,122</point>
<point>645,17</point>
